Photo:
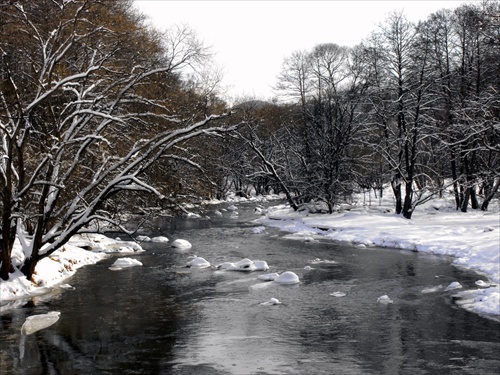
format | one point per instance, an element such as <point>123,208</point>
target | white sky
<point>251,38</point>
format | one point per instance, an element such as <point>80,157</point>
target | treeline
<point>416,105</point>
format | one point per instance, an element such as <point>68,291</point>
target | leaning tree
<point>88,104</point>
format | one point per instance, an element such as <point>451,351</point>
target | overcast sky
<point>251,38</point>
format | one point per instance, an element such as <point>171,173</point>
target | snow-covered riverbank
<point>472,238</point>
<point>52,272</point>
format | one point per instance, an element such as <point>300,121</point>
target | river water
<point>164,318</point>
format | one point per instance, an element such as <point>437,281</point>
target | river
<point>164,318</point>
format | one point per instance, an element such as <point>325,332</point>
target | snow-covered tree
<point>89,102</point>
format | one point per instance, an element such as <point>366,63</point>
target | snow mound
<point>288,278</point>
<point>384,299</point>
<point>271,302</point>
<point>181,244</point>
<point>124,263</point>
<point>268,277</point>
<point>244,265</point>
<point>338,294</point>
<point>159,239</point>
<point>454,285</point>
<point>198,262</point>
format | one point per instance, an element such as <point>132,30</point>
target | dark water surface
<point>163,318</point>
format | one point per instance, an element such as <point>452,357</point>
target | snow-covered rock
<point>258,230</point>
<point>287,277</point>
<point>198,262</point>
<point>271,302</point>
<point>124,263</point>
<point>268,276</point>
<point>454,285</point>
<point>162,239</point>
<point>261,265</point>
<point>384,299</point>
<point>181,244</point>
<point>245,265</point>
<point>338,294</point>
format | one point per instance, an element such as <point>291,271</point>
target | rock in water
<point>38,322</point>
<point>271,302</point>
<point>384,299</point>
<point>287,277</point>
<point>181,244</point>
<point>198,262</point>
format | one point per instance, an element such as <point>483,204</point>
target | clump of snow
<point>124,263</point>
<point>432,289</point>
<point>287,277</point>
<point>271,302</point>
<point>161,239</point>
<point>245,265</point>
<point>181,244</point>
<point>384,299</point>
<point>101,244</point>
<point>268,276</point>
<point>258,230</point>
<point>482,284</point>
<point>261,265</point>
<point>454,285</point>
<point>36,323</point>
<point>143,239</point>
<point>198,262</point>
<point>338,294</point>
<point>232,208</point>
<point>192,215</point>
<point>319,261</point>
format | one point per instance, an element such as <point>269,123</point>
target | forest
<point>101,114</point>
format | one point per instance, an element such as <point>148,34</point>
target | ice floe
<point>36,323</point>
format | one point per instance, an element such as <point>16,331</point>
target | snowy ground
<point>472,238</point>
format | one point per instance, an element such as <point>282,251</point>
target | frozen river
<point>164,318</point>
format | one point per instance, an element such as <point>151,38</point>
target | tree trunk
<point>396,188</point>
<point>407,207</point>
<point>491,194</point>
<point>465,200</point>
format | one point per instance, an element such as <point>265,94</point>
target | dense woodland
<point>100,113</point>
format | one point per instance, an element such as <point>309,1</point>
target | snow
<point>161,239</point>
<point>384,299</point>
<point>287,277</point>
<point>36,323</point>
<point>271,302</point>
<point>181,244</point>
<point>51,272</point>
<point>124,263</point>
<point>244,265</point>
<point>338,294</point>
<point>198,262</point>
<point>472,238</point>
